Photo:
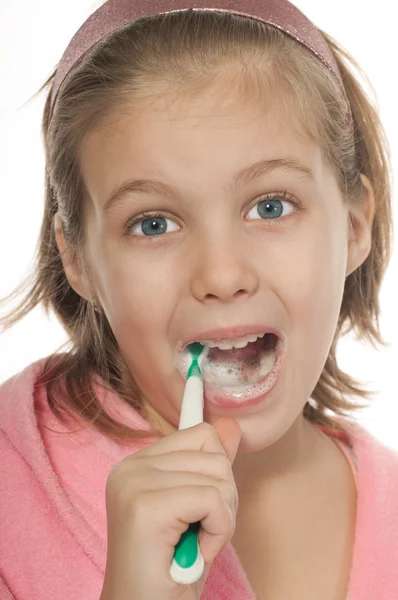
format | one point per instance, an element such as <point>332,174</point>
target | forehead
<point>216,106</point>
<point>208,136</point>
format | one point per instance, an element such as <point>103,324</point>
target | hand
<point>151,498</point>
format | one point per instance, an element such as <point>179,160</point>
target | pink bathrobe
<point>53,517</point>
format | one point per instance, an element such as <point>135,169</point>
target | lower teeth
<point>233,371</point>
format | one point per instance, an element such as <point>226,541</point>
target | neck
<point>290,459</point>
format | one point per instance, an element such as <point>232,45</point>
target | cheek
<point>317,279</point>
<point>320,257</point>
<point>314,291</point>
<point>138,288</point>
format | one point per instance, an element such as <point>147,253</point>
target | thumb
<point>230,435</point>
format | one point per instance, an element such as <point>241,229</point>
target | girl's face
<point>214,258</point>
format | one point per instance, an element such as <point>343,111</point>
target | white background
<point>34,36</point>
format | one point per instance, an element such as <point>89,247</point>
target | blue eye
<point>153,225</point>
<point>270,209</point>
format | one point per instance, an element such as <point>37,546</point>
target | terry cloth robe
<point>53,531</point>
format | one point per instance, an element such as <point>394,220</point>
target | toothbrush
<point>188,565</point>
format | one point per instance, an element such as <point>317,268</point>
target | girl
<point>214,175</point>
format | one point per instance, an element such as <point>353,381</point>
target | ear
<point>74,273</point>
<point>360,228</point>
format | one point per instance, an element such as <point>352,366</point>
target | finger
<point>199,437</point>
<point>165,480</point>
<point>185,505</point>
<point>213,464</point>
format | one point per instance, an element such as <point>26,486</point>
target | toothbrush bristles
<point>198,352</point>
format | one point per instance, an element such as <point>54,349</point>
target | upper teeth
<point>229,344</point>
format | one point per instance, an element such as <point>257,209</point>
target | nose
<point>224,269</point>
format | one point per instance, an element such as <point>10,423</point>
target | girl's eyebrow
<point>263,167</point>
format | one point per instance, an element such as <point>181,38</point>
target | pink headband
<point>115,14</point>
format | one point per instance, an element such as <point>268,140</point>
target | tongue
<point>250,351</point>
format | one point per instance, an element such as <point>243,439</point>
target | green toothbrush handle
<point>187,565</point>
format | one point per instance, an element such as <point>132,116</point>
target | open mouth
<point>242,366</point>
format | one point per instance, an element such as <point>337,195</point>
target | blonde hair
<point>183,52</point>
